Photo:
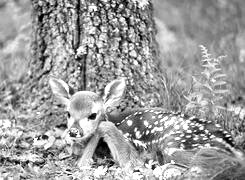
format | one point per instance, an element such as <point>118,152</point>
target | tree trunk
<point>89,43</point>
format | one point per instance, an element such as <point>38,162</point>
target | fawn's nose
<point>75,133</point>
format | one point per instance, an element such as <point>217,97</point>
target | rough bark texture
<point>89,43</point>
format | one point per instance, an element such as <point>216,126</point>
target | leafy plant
<point>208,88</point>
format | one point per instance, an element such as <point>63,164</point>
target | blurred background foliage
<point>219,25</point>
<point>182,26</point>
<point>15,34</point>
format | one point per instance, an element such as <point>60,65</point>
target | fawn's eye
<point>92,116</point>
<point>68,115</point>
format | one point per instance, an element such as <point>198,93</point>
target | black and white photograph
<point>122,89</point>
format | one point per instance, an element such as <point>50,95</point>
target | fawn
<point>169,135</point>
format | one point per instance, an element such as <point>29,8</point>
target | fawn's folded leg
<point>121,149</point>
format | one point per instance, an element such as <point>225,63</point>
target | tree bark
<point>88,43</point>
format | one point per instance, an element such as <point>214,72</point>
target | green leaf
<point>211,65</point>
<point>207,59</point>
<point>221,91</point>
<point>215,70</point>
<point>216,76</point>
<point>219,83</point>
<point>208,86</point>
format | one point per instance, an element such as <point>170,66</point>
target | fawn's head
<point>86,109</point>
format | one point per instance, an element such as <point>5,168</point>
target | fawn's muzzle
<point>75,133</point>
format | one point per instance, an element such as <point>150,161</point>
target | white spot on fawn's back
<point>164,119</point>
<point>160,116</point>
<point>185,126</point>
<point>212,136</point>
<point>195,145</point>
<point>177,127</point>
<point>160,129</point>
<point>170,143</point>
<point>218,126</point>
<point>227,135</point>
<point>139,143</point>
<point>188,136</point>
<point>207,145</point>
<point>146,123</point>
<point>177,138</point>
<point>205,138</point>
<point>206,131</point>
<point>138,134</point>
<point>196,138</point>
<point>147,132</point>
<point>201,128</point>
<point>129,122</point>
<point>126,135</point>
<point>189,131</point>
<point>156,122</point>
<point>153,130</point>
<point>161,139</point>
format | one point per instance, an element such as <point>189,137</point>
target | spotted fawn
<point>170,135</point>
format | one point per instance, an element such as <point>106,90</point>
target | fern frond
<point>217,76</point>
<point>209,87</point>
<point>206,56</point>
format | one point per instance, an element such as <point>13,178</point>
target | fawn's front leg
<point>121,150</point>
<point>89,151</point>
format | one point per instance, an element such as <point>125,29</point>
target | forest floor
<point>31,147</point>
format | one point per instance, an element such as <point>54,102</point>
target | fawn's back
<point>175,134</point>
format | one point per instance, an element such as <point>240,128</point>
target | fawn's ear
<point>60,89</point>
<point>113,92</point>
